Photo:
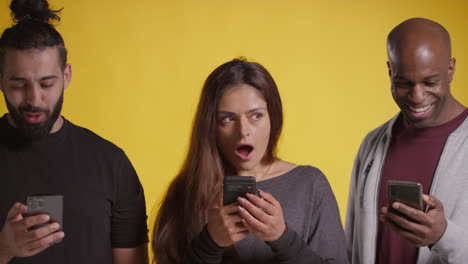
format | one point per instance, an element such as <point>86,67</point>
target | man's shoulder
<point>376,138</point>
<point>384,129</point>
<point>462,129</point>
<point>89,138</point>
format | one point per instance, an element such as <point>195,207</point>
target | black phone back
<point>235,186</point>
<point>46,204</point>
<point>409,193</point>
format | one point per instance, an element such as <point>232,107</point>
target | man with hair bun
<point>427,143</point>
<point>104,215</point>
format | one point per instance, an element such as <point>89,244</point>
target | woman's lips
<point>244,151</point>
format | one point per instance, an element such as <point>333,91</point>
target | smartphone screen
<point>237,186</point>
<point>51,205</point>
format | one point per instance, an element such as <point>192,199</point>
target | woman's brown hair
<point>183,212</point>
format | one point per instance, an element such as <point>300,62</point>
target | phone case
<point>46,204</point>
<point>408,193</point>
<point>235,186</point>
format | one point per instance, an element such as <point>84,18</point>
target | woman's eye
<point>226,119</point>
<point>257,116</point>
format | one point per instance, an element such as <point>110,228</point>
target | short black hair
<point>33,28</point>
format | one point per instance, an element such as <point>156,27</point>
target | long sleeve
<point>290,248</point>
<point>453,246</point>
<point>203,250</point>
<point>353,195</point>
<point>326,241</point>
<point>449,186</point>
<point>314,232</point>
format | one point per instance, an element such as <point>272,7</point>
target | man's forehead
<point>420,38</point>
<point>419,52</point>
<point>44,52</point>
<point>31,61</point>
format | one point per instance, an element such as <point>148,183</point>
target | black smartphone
<point>405,192</point>
<point>50,204</point>
<point>235,186</point>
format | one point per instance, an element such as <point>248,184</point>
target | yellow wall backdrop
<point>138,68</point>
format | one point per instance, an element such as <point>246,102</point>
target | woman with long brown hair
<point>235,132</point>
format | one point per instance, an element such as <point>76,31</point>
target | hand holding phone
<point>405,192</point>
<point>15,242</point>
<point>263,216</point>
<point>425,227</point>
<point>51,205</point>
<point>224,222</point>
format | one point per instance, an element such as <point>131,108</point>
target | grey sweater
<point>314,232</point>
<point>450,185</point>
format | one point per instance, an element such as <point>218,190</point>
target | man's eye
<point>17,87</point>
<point>47,84</point>
<point>403,84</point>
<point>431,83</point>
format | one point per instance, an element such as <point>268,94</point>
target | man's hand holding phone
<point>419,227</point>
<point>18,240</point>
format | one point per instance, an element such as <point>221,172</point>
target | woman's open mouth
<point>244,151</point>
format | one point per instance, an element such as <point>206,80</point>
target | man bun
<point>33,28</point>
<point>38,10</point>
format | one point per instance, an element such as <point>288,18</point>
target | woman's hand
<point>262,215</point>
<point>225,224</point>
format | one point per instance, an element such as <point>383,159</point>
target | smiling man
<point>104,216</point>
<point>427,142</point>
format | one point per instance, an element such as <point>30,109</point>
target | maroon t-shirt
<point>413,155</point>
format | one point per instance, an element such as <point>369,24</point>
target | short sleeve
<point>128,221</point>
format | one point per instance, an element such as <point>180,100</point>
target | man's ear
<point>67,75</point>
<point>389,67</point>
<point>451,69</point>
<point>1,82</point>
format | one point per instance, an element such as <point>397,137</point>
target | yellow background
<point>138,68</point>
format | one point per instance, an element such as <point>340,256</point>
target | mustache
<point>32,109</point>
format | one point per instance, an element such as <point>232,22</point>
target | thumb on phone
<point>16,211</point>
<point>432,202</point>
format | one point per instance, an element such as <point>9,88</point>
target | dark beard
<point>39,130</point>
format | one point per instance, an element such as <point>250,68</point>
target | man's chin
<point>34,131</point>
<point>419,122</point>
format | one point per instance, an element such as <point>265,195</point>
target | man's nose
<point>417,93</point>
<point>33,94</point>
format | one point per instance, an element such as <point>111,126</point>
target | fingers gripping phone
<point>51,205</point>
<point>405,192</point>
<point>237,186</point>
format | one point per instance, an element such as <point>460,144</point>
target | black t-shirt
<point>104,204</point>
